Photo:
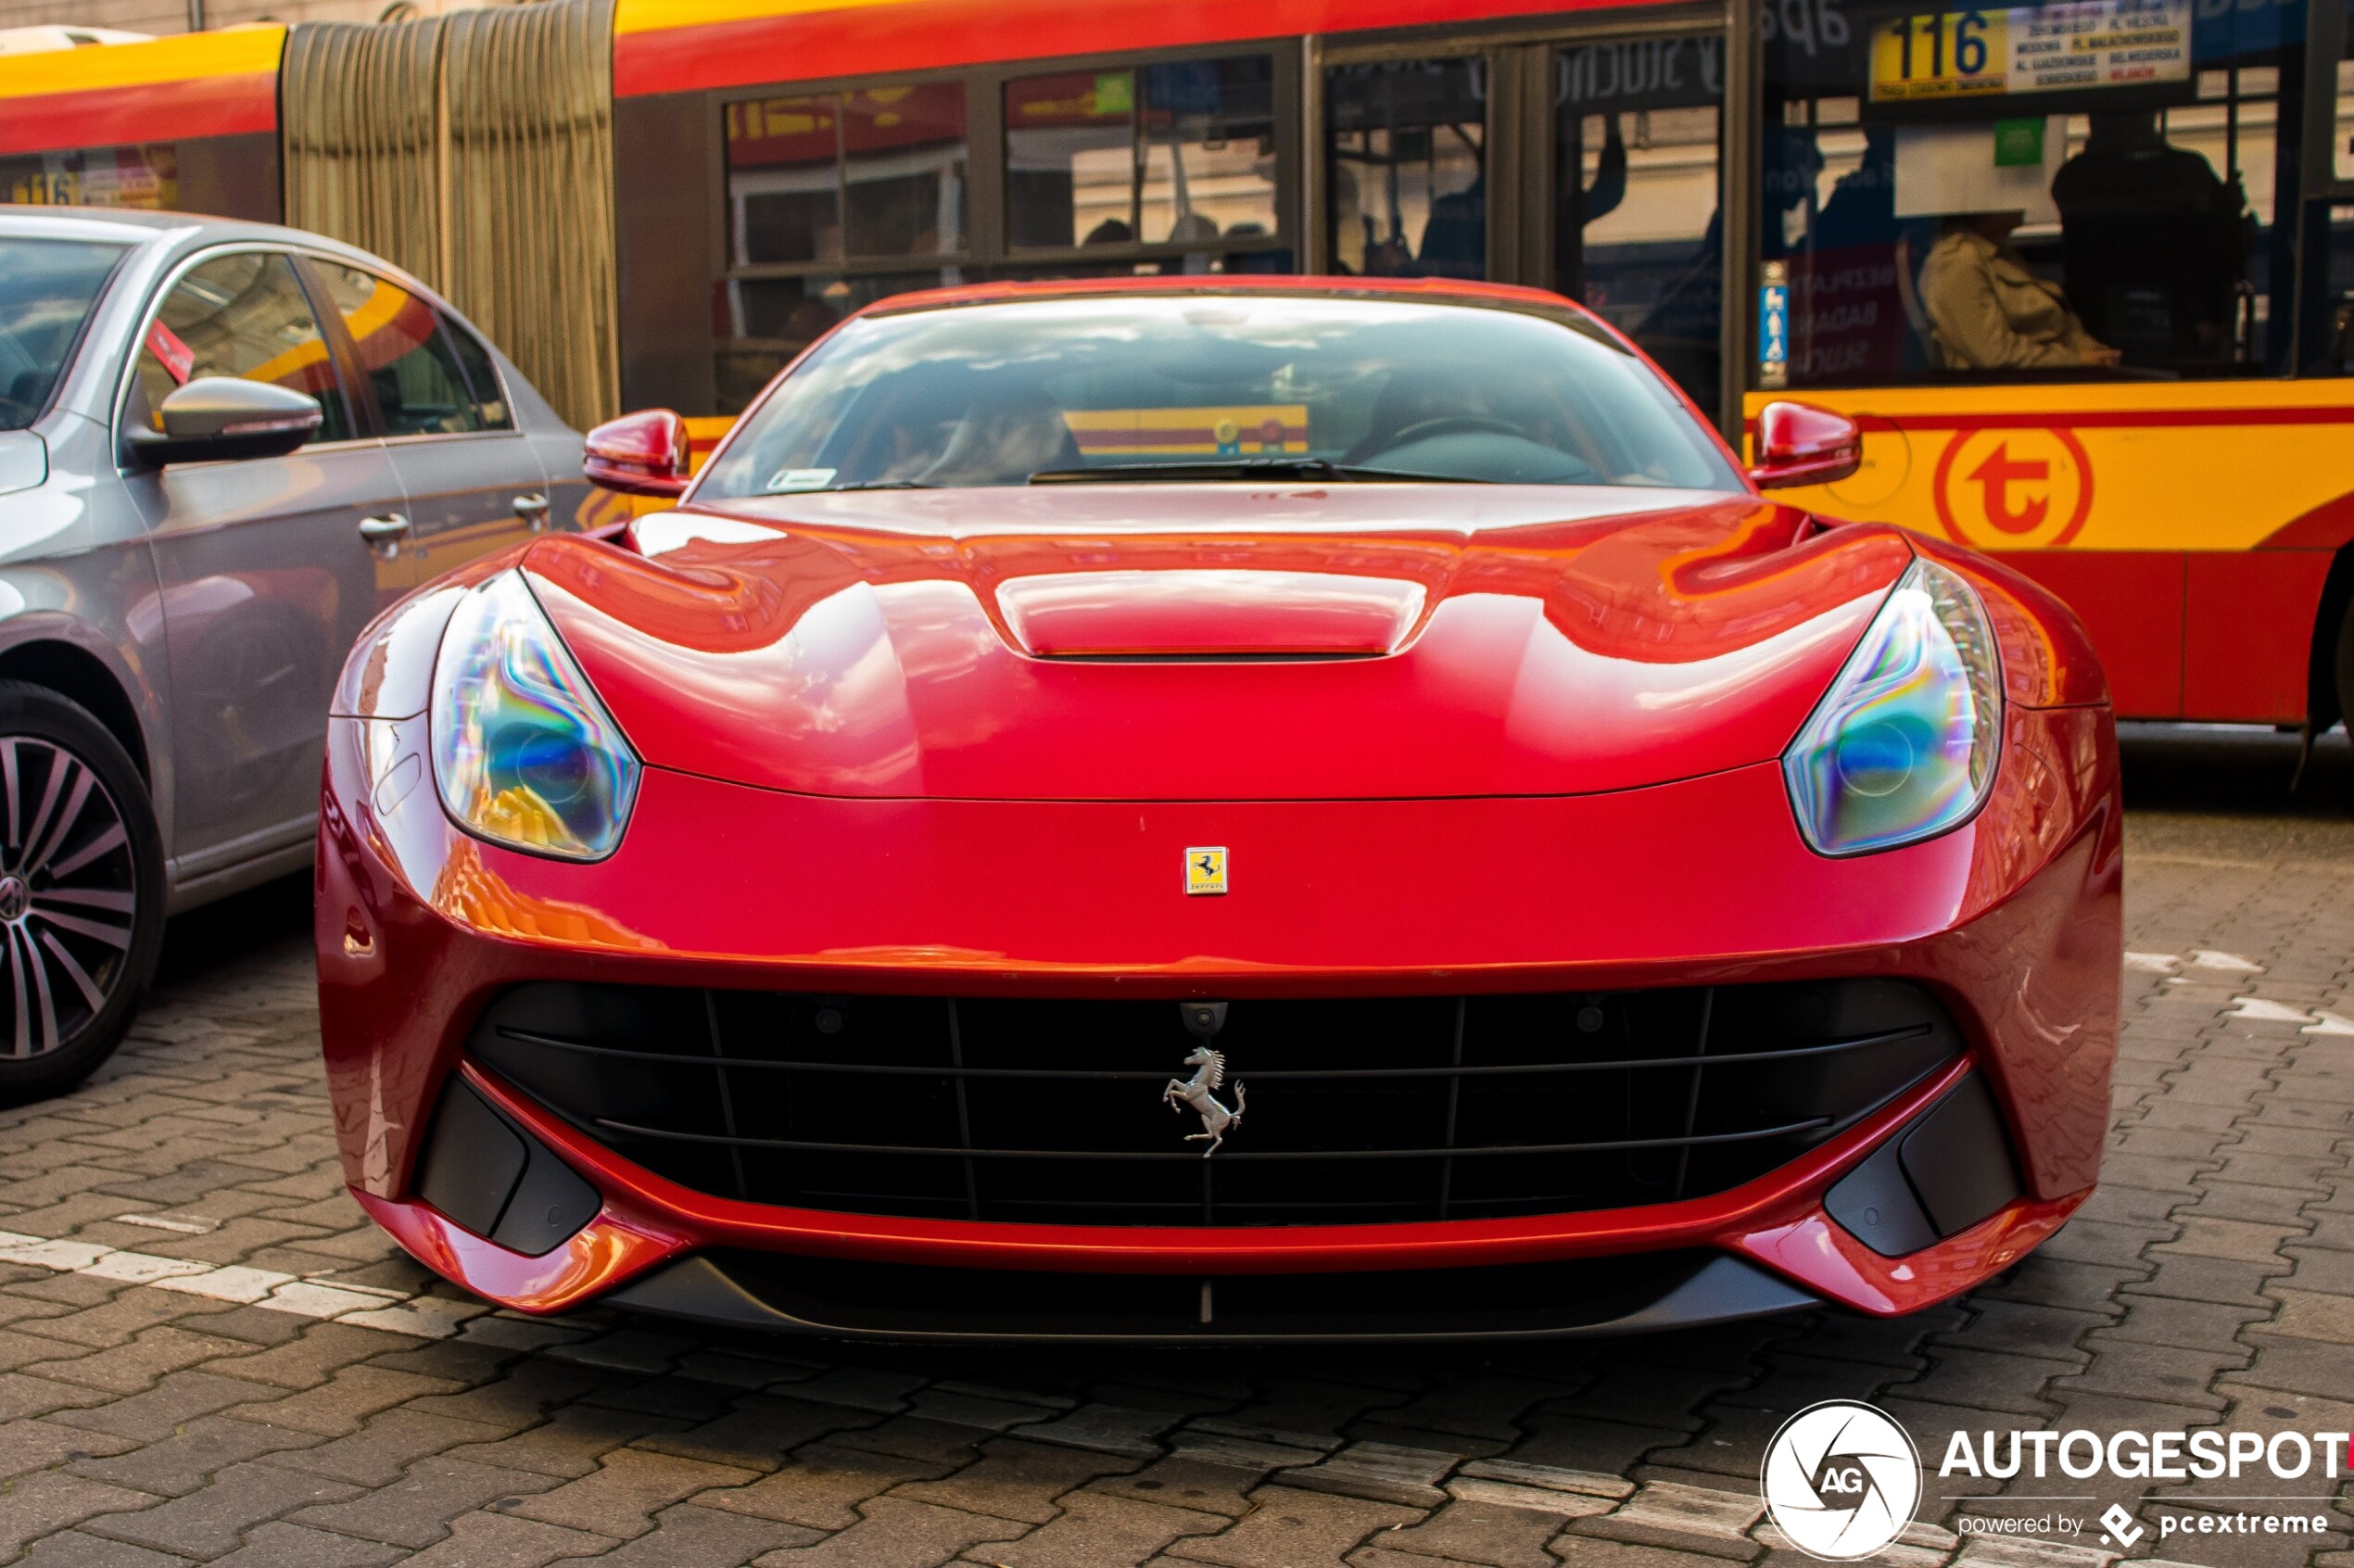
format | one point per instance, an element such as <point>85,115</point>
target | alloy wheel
<point>69,895</point>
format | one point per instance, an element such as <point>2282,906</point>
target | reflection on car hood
<point>1216,642</point>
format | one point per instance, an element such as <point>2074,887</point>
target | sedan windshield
<point>1137,388</point>
<point>47,290</point>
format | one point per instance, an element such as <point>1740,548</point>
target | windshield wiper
<point>1245,468</point>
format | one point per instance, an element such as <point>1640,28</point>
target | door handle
<point>384,533</point>
<point>533,509</point>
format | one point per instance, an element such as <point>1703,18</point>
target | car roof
<point>181,230</point>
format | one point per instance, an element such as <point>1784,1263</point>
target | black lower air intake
<point>1943,1172</point>
<point>498,1180</point>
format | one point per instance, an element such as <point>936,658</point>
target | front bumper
<point>2012,921</point>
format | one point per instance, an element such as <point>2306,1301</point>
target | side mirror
<point>1801,445</point>
<point>220,418</point>
<point>640,454</point>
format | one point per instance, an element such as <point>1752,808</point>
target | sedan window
<point>406,347</point>
<point>242,315</point>
<point>47,290</point>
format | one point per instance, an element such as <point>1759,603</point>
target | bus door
<point>1585,162</point>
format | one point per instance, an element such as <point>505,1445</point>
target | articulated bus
<point>2082,269</point>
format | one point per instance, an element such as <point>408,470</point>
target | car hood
<point>1216,642</point>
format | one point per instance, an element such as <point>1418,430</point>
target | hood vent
<point>1201,615</point>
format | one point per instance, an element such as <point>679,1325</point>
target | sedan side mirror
<point>220,418</point>
<point>1798,444</point>
<point>640,454</point>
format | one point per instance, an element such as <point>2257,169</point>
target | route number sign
<point>2084,43</point>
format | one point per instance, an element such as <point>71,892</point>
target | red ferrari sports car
<point>1201,809</point>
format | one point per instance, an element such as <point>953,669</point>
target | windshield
<point>1139,387</point>
<point>47,290</point>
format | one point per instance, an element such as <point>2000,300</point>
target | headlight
<point>1903,745</point>
<point>524,752</point>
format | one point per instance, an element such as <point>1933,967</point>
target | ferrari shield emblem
<point>1206,871</point>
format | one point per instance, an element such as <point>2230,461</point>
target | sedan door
<point>265,577</point>
<point>471,478</point>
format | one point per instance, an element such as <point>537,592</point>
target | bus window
<point>1638,129</point>
<point>1178,154</point>
<point>145,177</point>
<point>1405,161</point>
<point>2342,135</point>
<point>2078,193</point>
<point>2339,356</point>
<point>830,198</point>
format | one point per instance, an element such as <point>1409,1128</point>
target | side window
<point>243,315</point>
<point>421,387</point>
<point>482,378</point>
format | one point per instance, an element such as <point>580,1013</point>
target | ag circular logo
<point>1840,1480</point>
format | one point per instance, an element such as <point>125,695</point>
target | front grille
<point>1357,1110</point>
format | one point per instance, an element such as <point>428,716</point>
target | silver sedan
<point>223,447</point>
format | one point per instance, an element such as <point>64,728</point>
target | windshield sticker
<point>785,481</point>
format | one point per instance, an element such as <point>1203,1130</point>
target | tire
<point>2344,669</point>
<point>81,892</point>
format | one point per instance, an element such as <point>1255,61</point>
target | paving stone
<point>1015,1479</point>
<point>568,1443</point>
<point>760,1429</point>
<point>1382,1472</point>
<point>1687,1517</point>
<point>280,1545</point>
<point>502,1540</point>
<point>820,1487</point>
<point>692,1536</point>
<point>27,1445</point>
<point>185,1461</point>
<point>1988,1380</point>
<point>915,1437</point>
<point>897,1533</point>
<point>1098,1530</point>
<point>1296,1529</point>
<point>1187,1480</point>
<point>2167,1320</point>
<point>2165,1373</point>
<point>1108,1429</point>
<point>414,1512</point>
<point>1469,1530</point>
<point>210,1520</point>
<point>1588,1551</point>
<point>626,1487</point>
<point>1609,1447</point>
<point>157,1412</point>
<point>345,1401</point>
<point>52,1500</point>
<point>310,1359</point>
<point>377,1452</point>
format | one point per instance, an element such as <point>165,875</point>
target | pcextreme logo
<point>1840,1480</point>
<point>2025,488</point>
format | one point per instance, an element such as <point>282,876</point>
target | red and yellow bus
<point>2083,269</point>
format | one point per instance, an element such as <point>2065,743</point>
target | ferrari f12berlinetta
<point>1178,809</point>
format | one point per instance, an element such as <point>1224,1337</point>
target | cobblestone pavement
<point>205,1355</point>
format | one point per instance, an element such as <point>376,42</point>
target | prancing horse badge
<point>1206,871</point>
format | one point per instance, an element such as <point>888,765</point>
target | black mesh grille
<point>1359,1109</point>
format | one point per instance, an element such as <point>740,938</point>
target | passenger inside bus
<point>1987,311</point>
<point>2153,243</point>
